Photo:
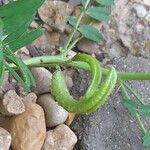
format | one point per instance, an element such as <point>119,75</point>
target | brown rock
<point>43,80</point>
<point>54,114</point>
<point>11,104</point>
<point>7,83</point>
<point>28,130</point>
<point>4,121</point>
<point>55,13</point>
<point>85,20</point>
<point>61,138</point>
<point>5,139</point>
<point>31,97</point>
<point>46,44</point>
<point>88,46</point>
<point>23,53</point>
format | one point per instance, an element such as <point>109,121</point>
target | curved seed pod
<point>105,89</point>
<point>96,72</point>
<point>62,95</point>
<point>86,105</point>
<point>58,83</point>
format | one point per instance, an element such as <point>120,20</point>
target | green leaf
<point>1,28</point>
<point>144,110</point>
<point>90,33</point>
<point>16,24</point>
<point>25,39</point>
<point>19,30</point>
<point>146,139</point>
<point>83,3</point>
<point>17,78</point>
<point>2,66</point>
<point>72,21</point>
<point>131,106</point>
<point>26,74</point>
<point>105,2</point>
<point>15,14</point>
<point>99,13</point>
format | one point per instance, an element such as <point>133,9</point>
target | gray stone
<point>54,114</point>
<point>140,10</point>
<point>127,28</point>
<point>43,80</point>
<point>75,2</point>
<point>30,98</point>
<point>5,139</point>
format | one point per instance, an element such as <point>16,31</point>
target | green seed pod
<point>96,72</point>
<point>86,105</point>
<point>58,82</point>
<point>105,89</point>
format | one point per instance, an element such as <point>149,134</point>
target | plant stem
<point>66,49</point>
<point>140,124</point>
<point>71,46</point>
<point>134,93</point>
<point>48,61</point>
<point>73,32</point>
<point>137,116</point>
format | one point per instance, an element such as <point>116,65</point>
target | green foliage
<point>1,29</point>
<point>16,24</point>
<point>15,19</point>
<point>84,3</point>
<point>25,39</point>
<point>144,110</point>
<point>105,2</point>
<point>99,13</point>
<point>146,139</point>
<point>90,32</point>
<point>2,67</point>
<point>72,20</point>
<point>131,106</point>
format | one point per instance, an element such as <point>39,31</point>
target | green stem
<point>66,49</point>
<point>134,93</point>
<point>71,46</point>
<point>73,32</point>
<point>124,92</point>
<point>137,116</point>
<point>48,61</point>
<point>141,126</point>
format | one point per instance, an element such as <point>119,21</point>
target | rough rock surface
<point>54,114</point>
<point>55,13</point>
<point>129,26</point>
<point>5,139</point>
<point>28,130</point>
<point>45,44</point>
<point>61,138</point>
<point>31,97</point>
<point>11,104</point>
